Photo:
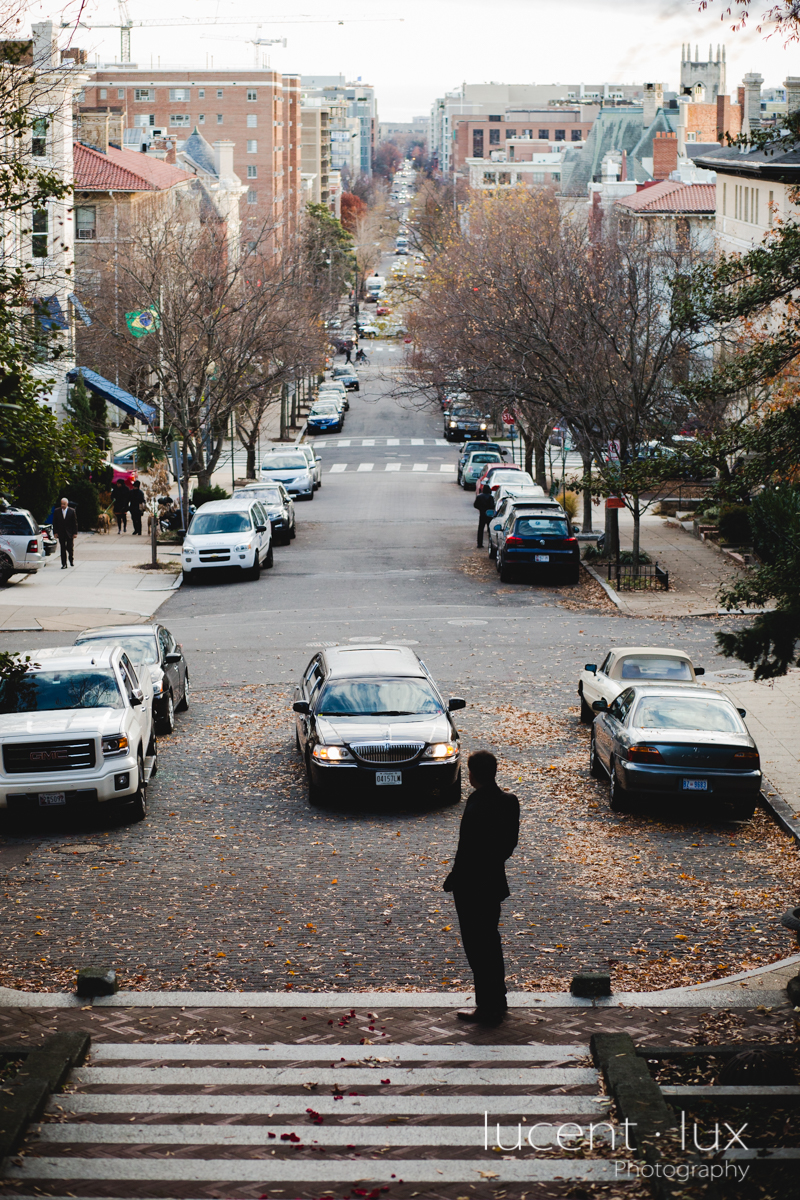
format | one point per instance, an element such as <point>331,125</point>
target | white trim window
<point>176,94</point>
<point>86,223</point>
<point>252,147</point>
<point>144,94</point>
<point>180,120</point>
<point>252,120</point>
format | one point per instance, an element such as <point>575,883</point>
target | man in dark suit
<point>65,527</point>
<point>488,836</point>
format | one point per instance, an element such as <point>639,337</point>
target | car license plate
<point>48,798</point>
<point>383,778</point>
<point>695,785</point>
<point>541,558</point>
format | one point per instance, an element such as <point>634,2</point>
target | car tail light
<point>644,754</point>
<point>514,541</point>
<point>33,546</point>
<point>570,541</point>
<point>747,758</point>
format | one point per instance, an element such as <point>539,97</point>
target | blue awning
<point>114,394</point>
<point>49,313</point>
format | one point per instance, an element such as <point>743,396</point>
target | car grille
<point>29,757</point>
<point>214,556</point>
<point>381,753</point>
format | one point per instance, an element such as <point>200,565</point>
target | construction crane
<point>254,42</point>
<point>125,25</point>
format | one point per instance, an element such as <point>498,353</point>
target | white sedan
<point>624,665</point>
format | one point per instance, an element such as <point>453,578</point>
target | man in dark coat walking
<point>484,502</point>
<point>65,527</point>
<point>137,501</point>
<point>121,496</point>
<point>488,836</point>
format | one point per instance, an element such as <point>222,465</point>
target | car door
<point>262,521</point>
<point>142,713</point>
<point>309,687</point>
<point>605,687</point>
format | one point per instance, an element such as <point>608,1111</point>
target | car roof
<point>621,651</point>
<point>72,656</point>
<point>372,659</point>
<point>693,690</point>
<point>234,504</point>
<point>109,631</point>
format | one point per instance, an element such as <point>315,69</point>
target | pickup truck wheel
<point>166,722</point>
<point>183,704</point>
<point>139,798</point>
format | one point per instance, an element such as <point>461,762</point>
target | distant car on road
<point>673,745</point>
<point>292,469</point>
<point>496,476</point>
<point>325,417</point>
<point>625,664</point>
<point>475,466</point>
<point>539,542</point>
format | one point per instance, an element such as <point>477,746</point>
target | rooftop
<point>671,196</point>
<point>123,171</point>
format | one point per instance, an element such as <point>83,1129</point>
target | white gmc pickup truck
<point>76,730</point>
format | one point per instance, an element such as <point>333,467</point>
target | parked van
<point>228,533</point>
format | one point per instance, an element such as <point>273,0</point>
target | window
<point>143,120</point>
<point>494,137</point>
<point>537,176</point>
<point>179,94</point>
<point>144,94</point>
<point>771,210</point>
<point>576,135</point>
<point>201,93</point>
<point>39,233</point>
<point>252,120</point>
<point>511,133</point>
<point>527,133</point>
<point>103,93</point>
<point>180,120</point>
<point>201,120</point>
<point>544,135</point>
<point>477,143</point>
<point>561,135</point>
<point>219,118</point>
<point>495,118</point>
<point>252,196</point>
<point>252,172</point>
<point>86,223</point>
<point>555,177</point>
<point>252,147</point>
<point>120,93</point>
<point>39,143</point>
<point>691,137</point>
<point>219,93</point>
<point>504,178</point>
<point>489,177</point>
<point>252,94</point>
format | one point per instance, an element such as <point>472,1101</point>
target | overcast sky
<point>438,43</point>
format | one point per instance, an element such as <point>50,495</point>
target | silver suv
<point>22,549</point>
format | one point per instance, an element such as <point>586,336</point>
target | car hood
<point>393,730</point>
<point>70,721</point>
<point>290,473</point>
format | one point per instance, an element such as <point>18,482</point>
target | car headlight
<point>452,424</point>
<point>483,427</point>
<point>244,546</point>
<point>330,753</point>
<point>158,687</point>
<point>187,553</point>
<point>113,746</point>
<point>441,750</point>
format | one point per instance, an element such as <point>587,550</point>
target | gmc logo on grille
<point>48,755</point>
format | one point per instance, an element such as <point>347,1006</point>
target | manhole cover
<point>467,622</point>
<point>78,848</point>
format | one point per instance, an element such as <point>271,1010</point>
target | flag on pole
<point>142,322</point>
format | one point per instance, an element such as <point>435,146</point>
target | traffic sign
<point>615,502</point>
<point>508,418</point>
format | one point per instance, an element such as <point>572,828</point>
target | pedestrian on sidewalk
<point>488,836</point>
<point>348,350</point>
<point>65,527</point>
<point>138,504</point>
<point>121,496</point>
<point>484,502</point>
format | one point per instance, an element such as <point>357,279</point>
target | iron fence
<point>646,577</point>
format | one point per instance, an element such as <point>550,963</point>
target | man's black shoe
<point>482,1016</point>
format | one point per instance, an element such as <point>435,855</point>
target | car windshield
<point>284,462</point>
<point>687,713</point>
<point>219,522</point>
<point>266,494</point>
<point>378,698</point>
<point>483,458</point>
<point>48,691</point>
<point>651,667</point>
<point>536,526</point>
<point>142,647</point>
<point>324,410</point>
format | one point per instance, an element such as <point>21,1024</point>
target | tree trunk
<point>528,454</point>
<point>611,549</point>
<point>250,470</point>
<point>185,482</point>
<point>637,524</point>
<point>540,445</point>
<point>587,496</point>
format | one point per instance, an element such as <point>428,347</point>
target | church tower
<point>710,74</point>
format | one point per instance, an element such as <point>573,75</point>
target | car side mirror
<point>504,453</point>
<point>261,529</point>
<point>137,697</point>
<point>302,707</point>
<point>591,667</point>
<point>317,458</point>
<point>699,670</point>
<point>455,703</point>
<point>600,705</point>
<point>742,712</point>
<point>172,658</point>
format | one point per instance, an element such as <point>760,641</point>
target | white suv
<point>228,533</point>
<point>21,547</point>
<point>76,729</point>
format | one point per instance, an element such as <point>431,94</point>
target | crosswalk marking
<point>393,441</point>
<point>343,442</point>
<point>418,441</point>
<point>447,468</point>
<point>341,468</point>
<point>352,1076</point>
<point>366,1106</point>
<point>420,467</point>
<point>337,468</point>
<point>368,442</point>
<point>365,466</point>
<point>393,466</point>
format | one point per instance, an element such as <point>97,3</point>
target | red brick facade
<point>477,137</point>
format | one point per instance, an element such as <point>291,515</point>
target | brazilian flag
<point>140,323</point>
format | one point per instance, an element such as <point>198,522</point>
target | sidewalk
<point>103,588</point>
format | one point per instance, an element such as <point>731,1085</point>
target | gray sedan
<point>675,745</point>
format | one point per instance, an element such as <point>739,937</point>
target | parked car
<point>672,745</point>
<point>279,507</point>
<point>523,493</point>
<point>461,423</point>
<point>154,649</point>
<point>469,447</point>
<point>22,549</point>
<point>539,541</point>
<point>126,458</point>
<point>370,331</point>
<point>341,372</point>
<point>498,474</point>
<point>518,504</point>
<point>49,540</point>
<point>325,417</point>
<point>475,466</point>
<point>314,463</point>
<point>371,717</point>
<point>292,469</point>
<point>228,533</point>
<point>624,664</point>
<point>351,382</point>
<point>76,729</point>
<point>334,389</point>
<point>382,310</point>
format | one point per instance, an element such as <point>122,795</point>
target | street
<point>234,881</point>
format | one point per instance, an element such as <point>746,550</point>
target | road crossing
<point>152,1118</point>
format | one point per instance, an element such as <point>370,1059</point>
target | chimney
<point>171,155</point>
<point>723,116</point>
<point>74,55</point>
<point>751,116</point>
<point>45,45</point>
<point>653,100</point>
<point>792,85</point>
<point>665,155</point>
<point>100,127</point>
<point>223,157</point>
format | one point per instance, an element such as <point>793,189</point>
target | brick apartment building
<point>257,110</point>
<point>550,128</point>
